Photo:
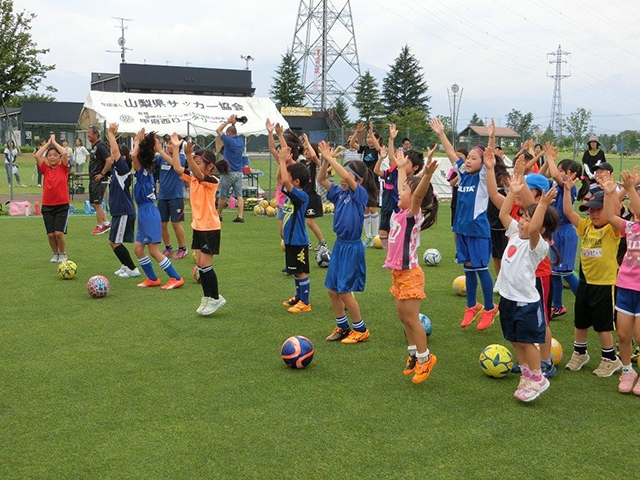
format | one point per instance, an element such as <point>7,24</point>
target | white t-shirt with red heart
<point>517,277</point>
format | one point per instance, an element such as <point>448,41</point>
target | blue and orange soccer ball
<point>297,351</point>
<point>98,286</point>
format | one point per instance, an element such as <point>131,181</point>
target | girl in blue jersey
<point>347,269</point>
<point>123,213</point>
<point>149,232</point>
<point>565,238</point>
<point>473,233</point>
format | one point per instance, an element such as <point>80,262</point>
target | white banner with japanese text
<point>165,114</point>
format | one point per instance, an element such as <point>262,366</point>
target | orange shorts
<point>406,284</point>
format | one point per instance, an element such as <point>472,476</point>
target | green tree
<point>476,120</point>
<point>17,100</point>
<point>404,87</point>
<point>412,123</point>
<point>341,110</point>
<point>287,89</point>
<point>522,123</point>
<point>20,68</point>
<point>367,95</point>
<point>577,124</point>
<point>630,140</point>
<point>548,136</point>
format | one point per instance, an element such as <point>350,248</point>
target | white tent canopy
<point>165,113</point>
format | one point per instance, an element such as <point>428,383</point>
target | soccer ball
<point>258,210</point>
<point>460,285</point>
<point>426,323</point>
<point>67,269</point>
<point>195,273</point>
<point>264,204</point>
<point>270,211</point>
<point>282,245</point>
<point>496,361</point>
<point>431,257</point>
<point>556,351</point>
<point>323,257</point>
<point>297,351</point>
<point>98,286</point>
<point>376,242</point>
<point>273,203</point>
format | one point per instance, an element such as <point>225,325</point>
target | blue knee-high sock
<point>145,263</point>
<point>573,282</point>
<point>297,288</point>
<point>167,266</point>
<point>487,287</point>
<point>342,322</point>
<point>556,291</point>
<point>471,284</point>
<point>305,289</point>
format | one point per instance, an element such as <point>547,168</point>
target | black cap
<point>603,166</point>
<point>597,201</point>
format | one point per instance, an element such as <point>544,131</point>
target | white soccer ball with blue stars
<point>431,257</point>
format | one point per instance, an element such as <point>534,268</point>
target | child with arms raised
<point>628,282</point>
<point>418,211</point>
<point>521,312</point>
<point>149,232</point>
<point>598,272</point>
<point>471,226</point>
<point>347,269</point>
<point>54,166</point>
<point>296,240</point>
<point>123,213</point>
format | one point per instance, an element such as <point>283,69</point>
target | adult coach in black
<point>99,167</point>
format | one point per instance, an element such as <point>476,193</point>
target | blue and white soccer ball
<point>323,257</point>
<point>297,351</point>
<point>431,257</point>
<point>426,323</point>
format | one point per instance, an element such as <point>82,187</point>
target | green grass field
<point>136,385</point>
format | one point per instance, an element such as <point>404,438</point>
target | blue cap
<point>536,180</point>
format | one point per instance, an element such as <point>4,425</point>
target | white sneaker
<point>120,270</point>
<point>128,273</point>
<point>213,305</point>
<point>54,259</point>
<point>203,304</point>
<point>62,257</point>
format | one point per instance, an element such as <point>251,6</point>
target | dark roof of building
<point>484,131</point>
<point>212,81</point>
<point>307,124</point>
<point>10,111</point>
<point>66,113</point>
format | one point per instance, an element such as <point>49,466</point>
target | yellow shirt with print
<point>598,250</point>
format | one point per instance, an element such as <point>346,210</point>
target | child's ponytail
<point>429,205</point>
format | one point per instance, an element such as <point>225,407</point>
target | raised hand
<point>188,148</point>
<point>489,158</point>
<point>360,128</point>
<point>436,126</point>
<point>383,152</point>
<point>548,198</point>
<point>113,128</point>
<point>279,130</point>
<point>232,119</point>
<point>527,145</point>
<point>515,185</point>
<point>551,151</point>
<point>569,182</point>
<point>284,155</point>
<point>401,160</point>
<point>518,166</point>
<point>492,128</point>
<point>627,180</point>
<point>139,136</point>
<point>430,168</point>
<point>608,186</point>
<point>157,145</point>
<point>431,151</point>
<point>269,126</point>
<point>393,131</point>
<point>325,149</point>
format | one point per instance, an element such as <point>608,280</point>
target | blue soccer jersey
<point>144,190</point>
<point>348,218</point>
<point>472,203</point>
<point>233,151</point>
<point>170,181</point>
<point>120,201</point>
<point>390,190</point>
<point>294,225</point>
<point>558,202</point>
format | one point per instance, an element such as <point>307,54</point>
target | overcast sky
<point>496,50</point>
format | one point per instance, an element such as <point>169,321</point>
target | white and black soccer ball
<point>431,257</point>
<point>323,257</point>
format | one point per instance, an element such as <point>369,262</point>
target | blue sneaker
<point>516,368</point>
<point>548,369</point>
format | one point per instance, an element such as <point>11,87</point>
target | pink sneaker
<point>181,253</point>
<point>168,252</point>
<point>626,381</point>
<point>532,390</point>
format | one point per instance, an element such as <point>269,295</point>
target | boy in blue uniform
<point>296,239</point>
<point>123,213</point>
<point>171,202</point>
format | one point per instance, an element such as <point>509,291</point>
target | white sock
<point>367,225</point>
<point>412,349</point>
<point>423,357</point>
<point>375,223</point>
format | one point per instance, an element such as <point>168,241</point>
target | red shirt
<point>55,190</point>
<point>544,267</point>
